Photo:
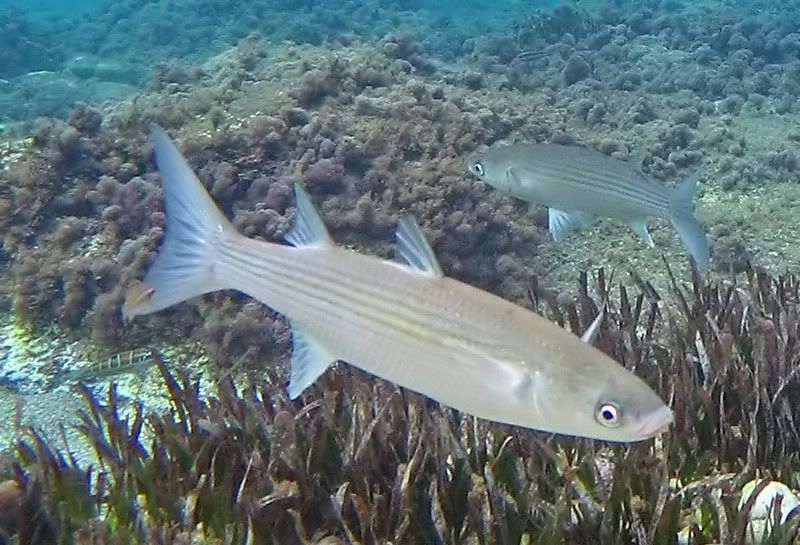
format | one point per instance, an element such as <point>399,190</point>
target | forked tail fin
<point>186,262</point>
<point>689,229</point>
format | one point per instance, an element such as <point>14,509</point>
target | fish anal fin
<point>309,361</point>
<point>640,228</point>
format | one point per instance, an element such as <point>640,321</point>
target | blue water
<point>55,53</point>
<point>45,8</point>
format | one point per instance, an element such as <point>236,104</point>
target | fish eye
<point>609,414</point>
<point>478,168</point>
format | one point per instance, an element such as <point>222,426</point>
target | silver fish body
<point>579,184</point>
<point>404,322</point>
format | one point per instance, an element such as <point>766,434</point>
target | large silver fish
<point>579,184</point>
<point>404,322</point>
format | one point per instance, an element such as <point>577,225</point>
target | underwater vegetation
<point>360,461</point>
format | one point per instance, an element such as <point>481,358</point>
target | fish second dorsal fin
<point>413,248</point>
<point>307,226</point>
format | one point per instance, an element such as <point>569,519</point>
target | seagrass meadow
<point>357,460</point>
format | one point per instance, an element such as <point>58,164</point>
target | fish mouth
<point>656,422</point>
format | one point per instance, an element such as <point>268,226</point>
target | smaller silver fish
<point>578,185</point>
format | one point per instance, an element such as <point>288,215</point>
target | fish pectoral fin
<point>307,227</point>
<point>640,228</point>
<point>512,178</point>
<point>309,361</point>
<point>563,222</point>
<point>414,250</point>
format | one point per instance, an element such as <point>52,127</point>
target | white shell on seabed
<point>763,514</point>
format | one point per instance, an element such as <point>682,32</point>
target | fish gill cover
<point>374,108</point>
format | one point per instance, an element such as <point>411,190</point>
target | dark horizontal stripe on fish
<point>370,304</point>
<point>636,192</point>
<point>327,288</point>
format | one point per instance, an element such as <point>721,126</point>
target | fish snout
<point>656,422</point>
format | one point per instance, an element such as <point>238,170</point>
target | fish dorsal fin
<point>640,228</point>
<point>413,248</point>
<point>309,361</point>
<point>637,160</point>
<point>307,227</point>
<point>563,222</point>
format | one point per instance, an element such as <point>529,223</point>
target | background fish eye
<point>608,414</point>
<point>478,168</point>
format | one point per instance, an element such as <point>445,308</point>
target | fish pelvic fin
<point>186,261</point>
<point>691,232</point>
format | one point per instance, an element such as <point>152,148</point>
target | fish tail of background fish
<point>691,232</point>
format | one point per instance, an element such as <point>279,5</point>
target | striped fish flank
<point>579,185</point>
<point>403,321</point>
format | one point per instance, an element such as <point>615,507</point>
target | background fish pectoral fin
<point>414,250</point>
<point>309,361</point>
<point>512,178</point>
<point>563,222</point>
<point>640,228</point>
